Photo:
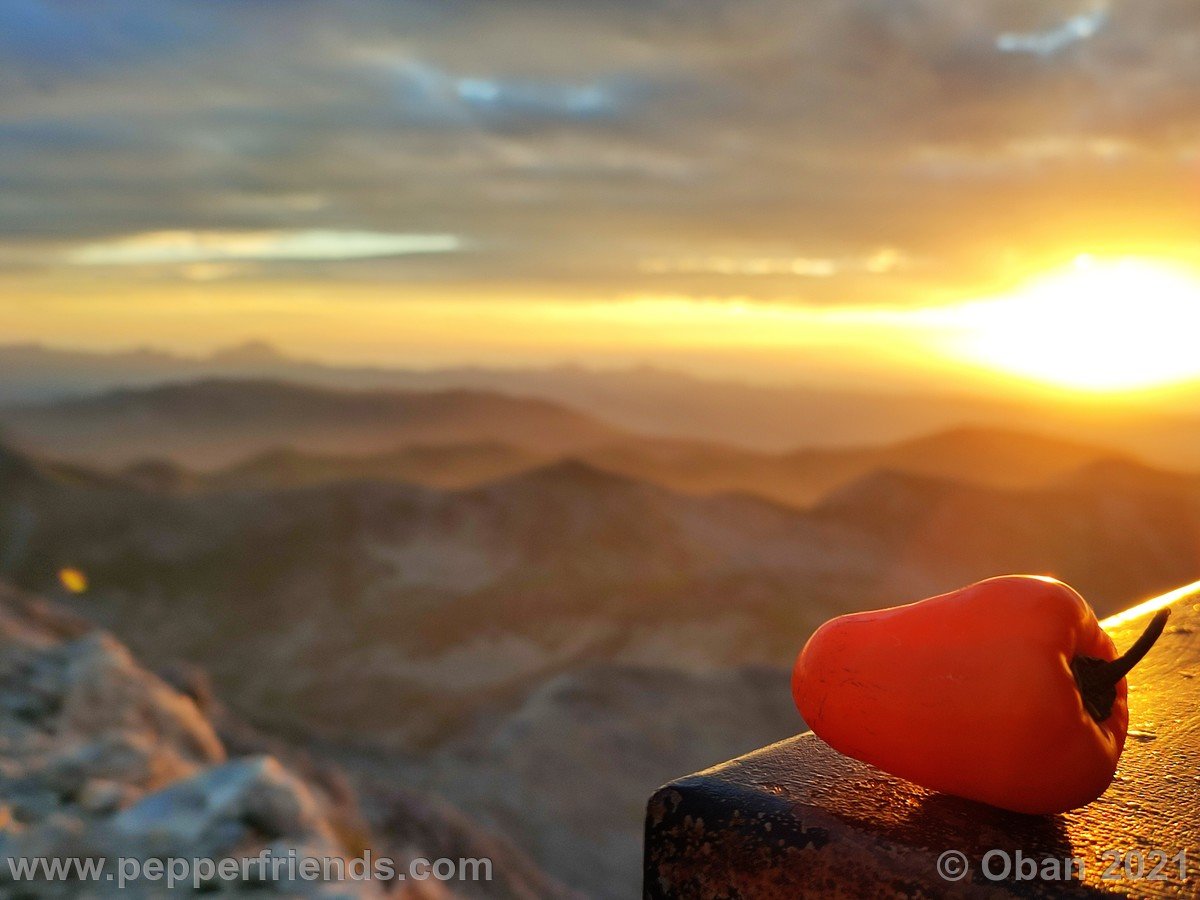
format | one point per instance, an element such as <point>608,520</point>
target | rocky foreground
<point>99,758</point>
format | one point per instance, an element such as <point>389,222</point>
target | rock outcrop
<point>100,758</point>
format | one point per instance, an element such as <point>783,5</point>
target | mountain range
<point>544,647</point>
<point>217,422</point>
<point>254,435</point>
<point>987,456</point>
<point>650,401</point>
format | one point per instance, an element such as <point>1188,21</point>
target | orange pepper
<point>1007,692</point>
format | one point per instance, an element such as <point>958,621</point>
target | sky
<point>717,183</point>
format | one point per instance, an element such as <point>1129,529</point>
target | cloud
<point>568,143</point>
<point>535,98</point>
<point>1074,30</point>
<point>882,261</point>
<point>180,247</point>
<point>437,94</point>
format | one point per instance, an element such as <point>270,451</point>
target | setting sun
<point>1099,325</point>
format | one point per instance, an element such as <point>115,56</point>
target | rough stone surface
<point>101,758</point>
<point>798,819</point>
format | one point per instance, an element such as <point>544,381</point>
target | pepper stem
<point>1098,678</point>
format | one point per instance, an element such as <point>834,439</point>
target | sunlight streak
<point>1150,606</point>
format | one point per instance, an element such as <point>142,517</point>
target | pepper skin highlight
<point>1007,692</point>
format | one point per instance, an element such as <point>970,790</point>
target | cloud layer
<point>179,247</point>
<point>599,146</point>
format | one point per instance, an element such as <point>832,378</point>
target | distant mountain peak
<point>575,472</point>
<point>886,488</point>
<point>1121,473</point>
<point>988,436</point>
<point>253,352</point>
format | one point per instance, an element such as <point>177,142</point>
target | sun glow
<point>1097,326</point>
